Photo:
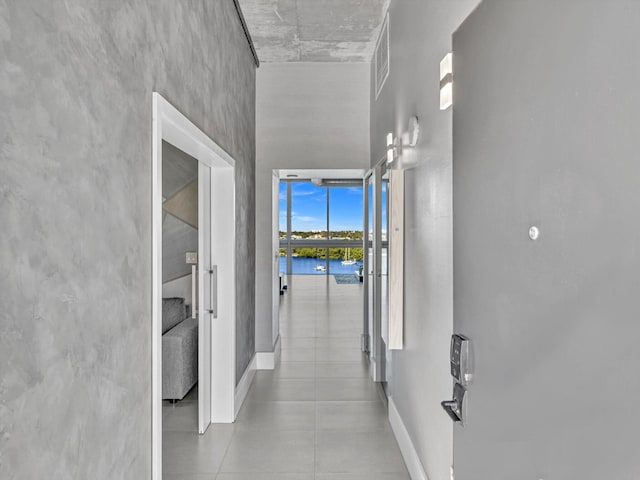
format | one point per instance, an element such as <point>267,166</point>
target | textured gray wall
<point>420,36</point>
<point>75,181</point>
<point>308,115</point>
<point>546,115</point>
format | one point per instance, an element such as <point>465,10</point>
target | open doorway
<point>180,253</point>
<point>376,279</point>
<point>318,240</point>
<point>194,206</point>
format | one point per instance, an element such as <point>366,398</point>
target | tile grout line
<point>315,383</point>
<point>315,396</point>
<point>322,324</point>
<point>226,451</point>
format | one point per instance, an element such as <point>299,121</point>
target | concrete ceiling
<point>314,30</point>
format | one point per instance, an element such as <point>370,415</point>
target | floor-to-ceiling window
<point>284,219</point>
<point>321,227</point>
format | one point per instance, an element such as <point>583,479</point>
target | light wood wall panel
<point>396,259</point>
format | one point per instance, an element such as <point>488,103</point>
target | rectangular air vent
<point>381,56</point>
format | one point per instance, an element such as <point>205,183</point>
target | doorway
<point>215,300</point>
<point>185,249</point>
<point>376,279</point>
<point>318,232</point>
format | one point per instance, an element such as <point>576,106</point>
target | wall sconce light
<point>414,131</point>
<point>446,82</point>
<point>391,148</point>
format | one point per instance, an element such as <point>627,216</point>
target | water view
<point>319,222</point>
<point>308,265</point>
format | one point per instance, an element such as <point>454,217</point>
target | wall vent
<point>381,56</point>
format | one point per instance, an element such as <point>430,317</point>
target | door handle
<point>456,408</point>
<point>452,408</point>
<point>452,404</point>
<point>213,293</point>
<point>194,287</point>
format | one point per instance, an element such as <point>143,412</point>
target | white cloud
<point>306,219</point>
<point>302,193</point>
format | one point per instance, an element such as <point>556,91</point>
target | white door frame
<point>376,348</point>
<point>205,301</point>
<point>275,246</point>
<point>172,126</point>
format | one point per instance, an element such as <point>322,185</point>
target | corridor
<point>317,416</point>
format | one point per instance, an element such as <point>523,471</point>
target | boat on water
<point>347,260</point>
<point>321,268</point>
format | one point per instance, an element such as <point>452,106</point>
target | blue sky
<point>309,207</point>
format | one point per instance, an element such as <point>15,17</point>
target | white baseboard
<point>244,385</point>
<point>408,450</point>
<point>268,360</point>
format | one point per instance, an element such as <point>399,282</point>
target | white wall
<point>420,36</point>
<point>180,287</point>
<point>308,115</point>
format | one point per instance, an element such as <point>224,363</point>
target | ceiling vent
<point>381,56</point>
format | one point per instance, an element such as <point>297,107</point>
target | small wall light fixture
<point>391,148</point>
<point>446,81</point>
<point>414,131</point>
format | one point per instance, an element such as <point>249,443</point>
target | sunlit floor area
<point>317,416</point>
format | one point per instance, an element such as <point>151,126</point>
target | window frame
<point>327,243</point>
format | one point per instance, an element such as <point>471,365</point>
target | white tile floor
<point>316,417</point>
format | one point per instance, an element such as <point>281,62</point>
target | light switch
<point>191,258</point>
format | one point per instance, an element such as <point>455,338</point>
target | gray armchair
<point>179,349</point>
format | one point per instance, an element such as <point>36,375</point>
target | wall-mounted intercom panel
<point>461,358</point>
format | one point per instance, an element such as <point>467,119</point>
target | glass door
<point>375,323</point>
<point>384,278</point>
<point>367,271</point>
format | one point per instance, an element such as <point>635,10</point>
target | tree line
<point>348,234</point>
<point>334,253</point>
